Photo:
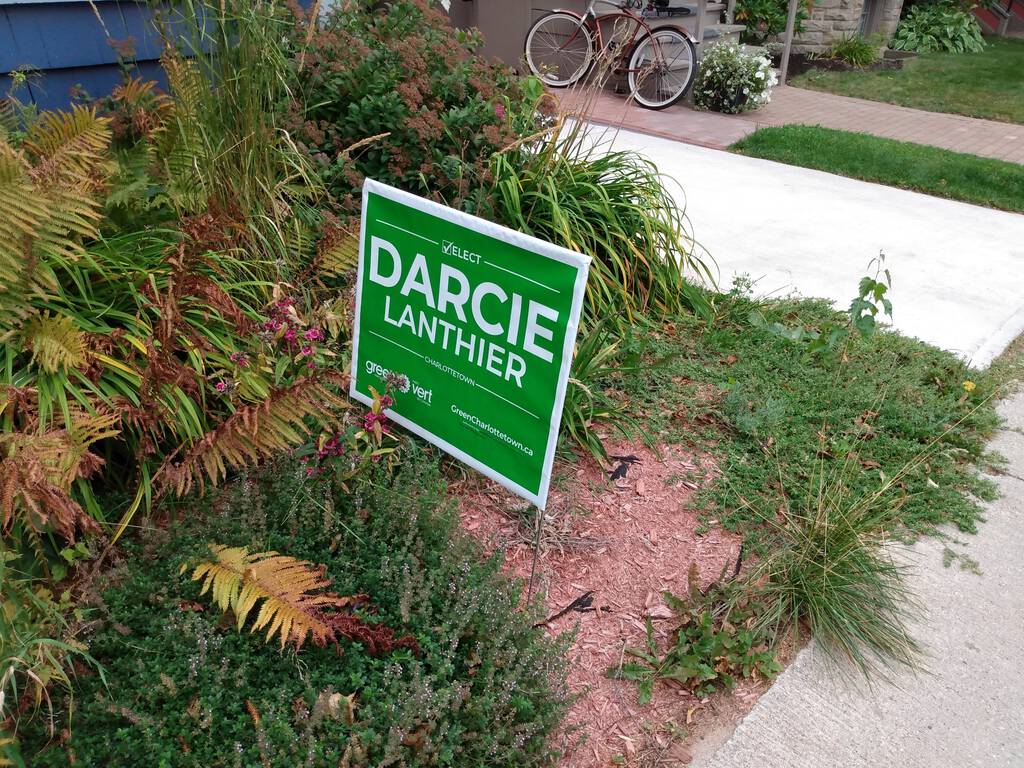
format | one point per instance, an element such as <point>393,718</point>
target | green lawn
<point>988,84</point>
<point>934,171</point>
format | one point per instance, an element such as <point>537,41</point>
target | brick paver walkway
<point>789,105</point>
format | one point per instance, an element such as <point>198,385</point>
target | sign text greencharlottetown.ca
<point>477,322</point>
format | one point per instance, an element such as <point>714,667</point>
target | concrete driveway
<point>958,269</point>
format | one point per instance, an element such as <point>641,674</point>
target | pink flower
<point>313,334</point>
<point>289,335</point>
<point>307,350</point>
<point>499,110</point>
<point>220,386</point>
<point>311,365</point>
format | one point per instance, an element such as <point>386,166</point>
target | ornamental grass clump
<point>615,206</point>
<point>834,570</point>
<point>733,80</point>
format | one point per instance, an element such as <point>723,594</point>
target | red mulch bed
<point>626,541</point>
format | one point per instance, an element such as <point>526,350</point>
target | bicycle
<point>562,46</point>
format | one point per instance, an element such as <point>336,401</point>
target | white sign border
<point>511,236</point>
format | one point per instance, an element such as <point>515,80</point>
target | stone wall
<point>833,19</point>
<point>886,17</point>
<point>829,20</point>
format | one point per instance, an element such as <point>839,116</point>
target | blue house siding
<point>66,43</point>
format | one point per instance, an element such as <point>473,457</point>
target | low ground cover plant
<point>829,444</point>
<point>938,26</point>
<point>719,637</point>
<point>185,688</point>
<point>731,79</point>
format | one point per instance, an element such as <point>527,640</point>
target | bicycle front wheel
<point>661,67</point>
<point>559,49</point>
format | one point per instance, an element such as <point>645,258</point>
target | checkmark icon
<point>447,246</point>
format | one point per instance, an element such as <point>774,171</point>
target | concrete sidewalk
<point>958,269</point>
<point>966,712</point>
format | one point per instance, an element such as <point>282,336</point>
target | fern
<point>38,470</point>
<point>254,432</point>
<point>337,251</point>
<point>295,605</point>
<point>69,148</point>
<point>183,147</point>
<point>48,193</point>
<point>55,341</point>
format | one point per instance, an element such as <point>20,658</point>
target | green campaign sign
<point>478,322</point>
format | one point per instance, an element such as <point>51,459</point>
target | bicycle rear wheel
<point>559,49</point>
<point>661,67</point>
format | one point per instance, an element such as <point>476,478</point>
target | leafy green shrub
<point>717,639</point>
<point>938,26</point>
<point>732,80</point>
<point>187,689</point>
<point>411,86</point>
<point>856,50</point>
<point>767,18</point>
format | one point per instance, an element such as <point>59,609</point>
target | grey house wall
<point>504,22</point>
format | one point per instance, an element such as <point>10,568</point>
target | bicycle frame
<point>593,20</point>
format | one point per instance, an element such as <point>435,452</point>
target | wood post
<point>790,25</point>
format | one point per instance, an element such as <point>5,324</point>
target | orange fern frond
<point>37,471</point>
<point>295,603</point>
<point>255,432</point>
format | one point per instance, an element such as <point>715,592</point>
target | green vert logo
<point>477,323</point>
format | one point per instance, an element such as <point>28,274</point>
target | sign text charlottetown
<point>479,321</point>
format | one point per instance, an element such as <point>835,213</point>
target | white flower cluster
<point>731,79</point>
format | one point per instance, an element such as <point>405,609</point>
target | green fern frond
<point>56,342</point>
<point>182,145</point>
<point>338,252</point>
